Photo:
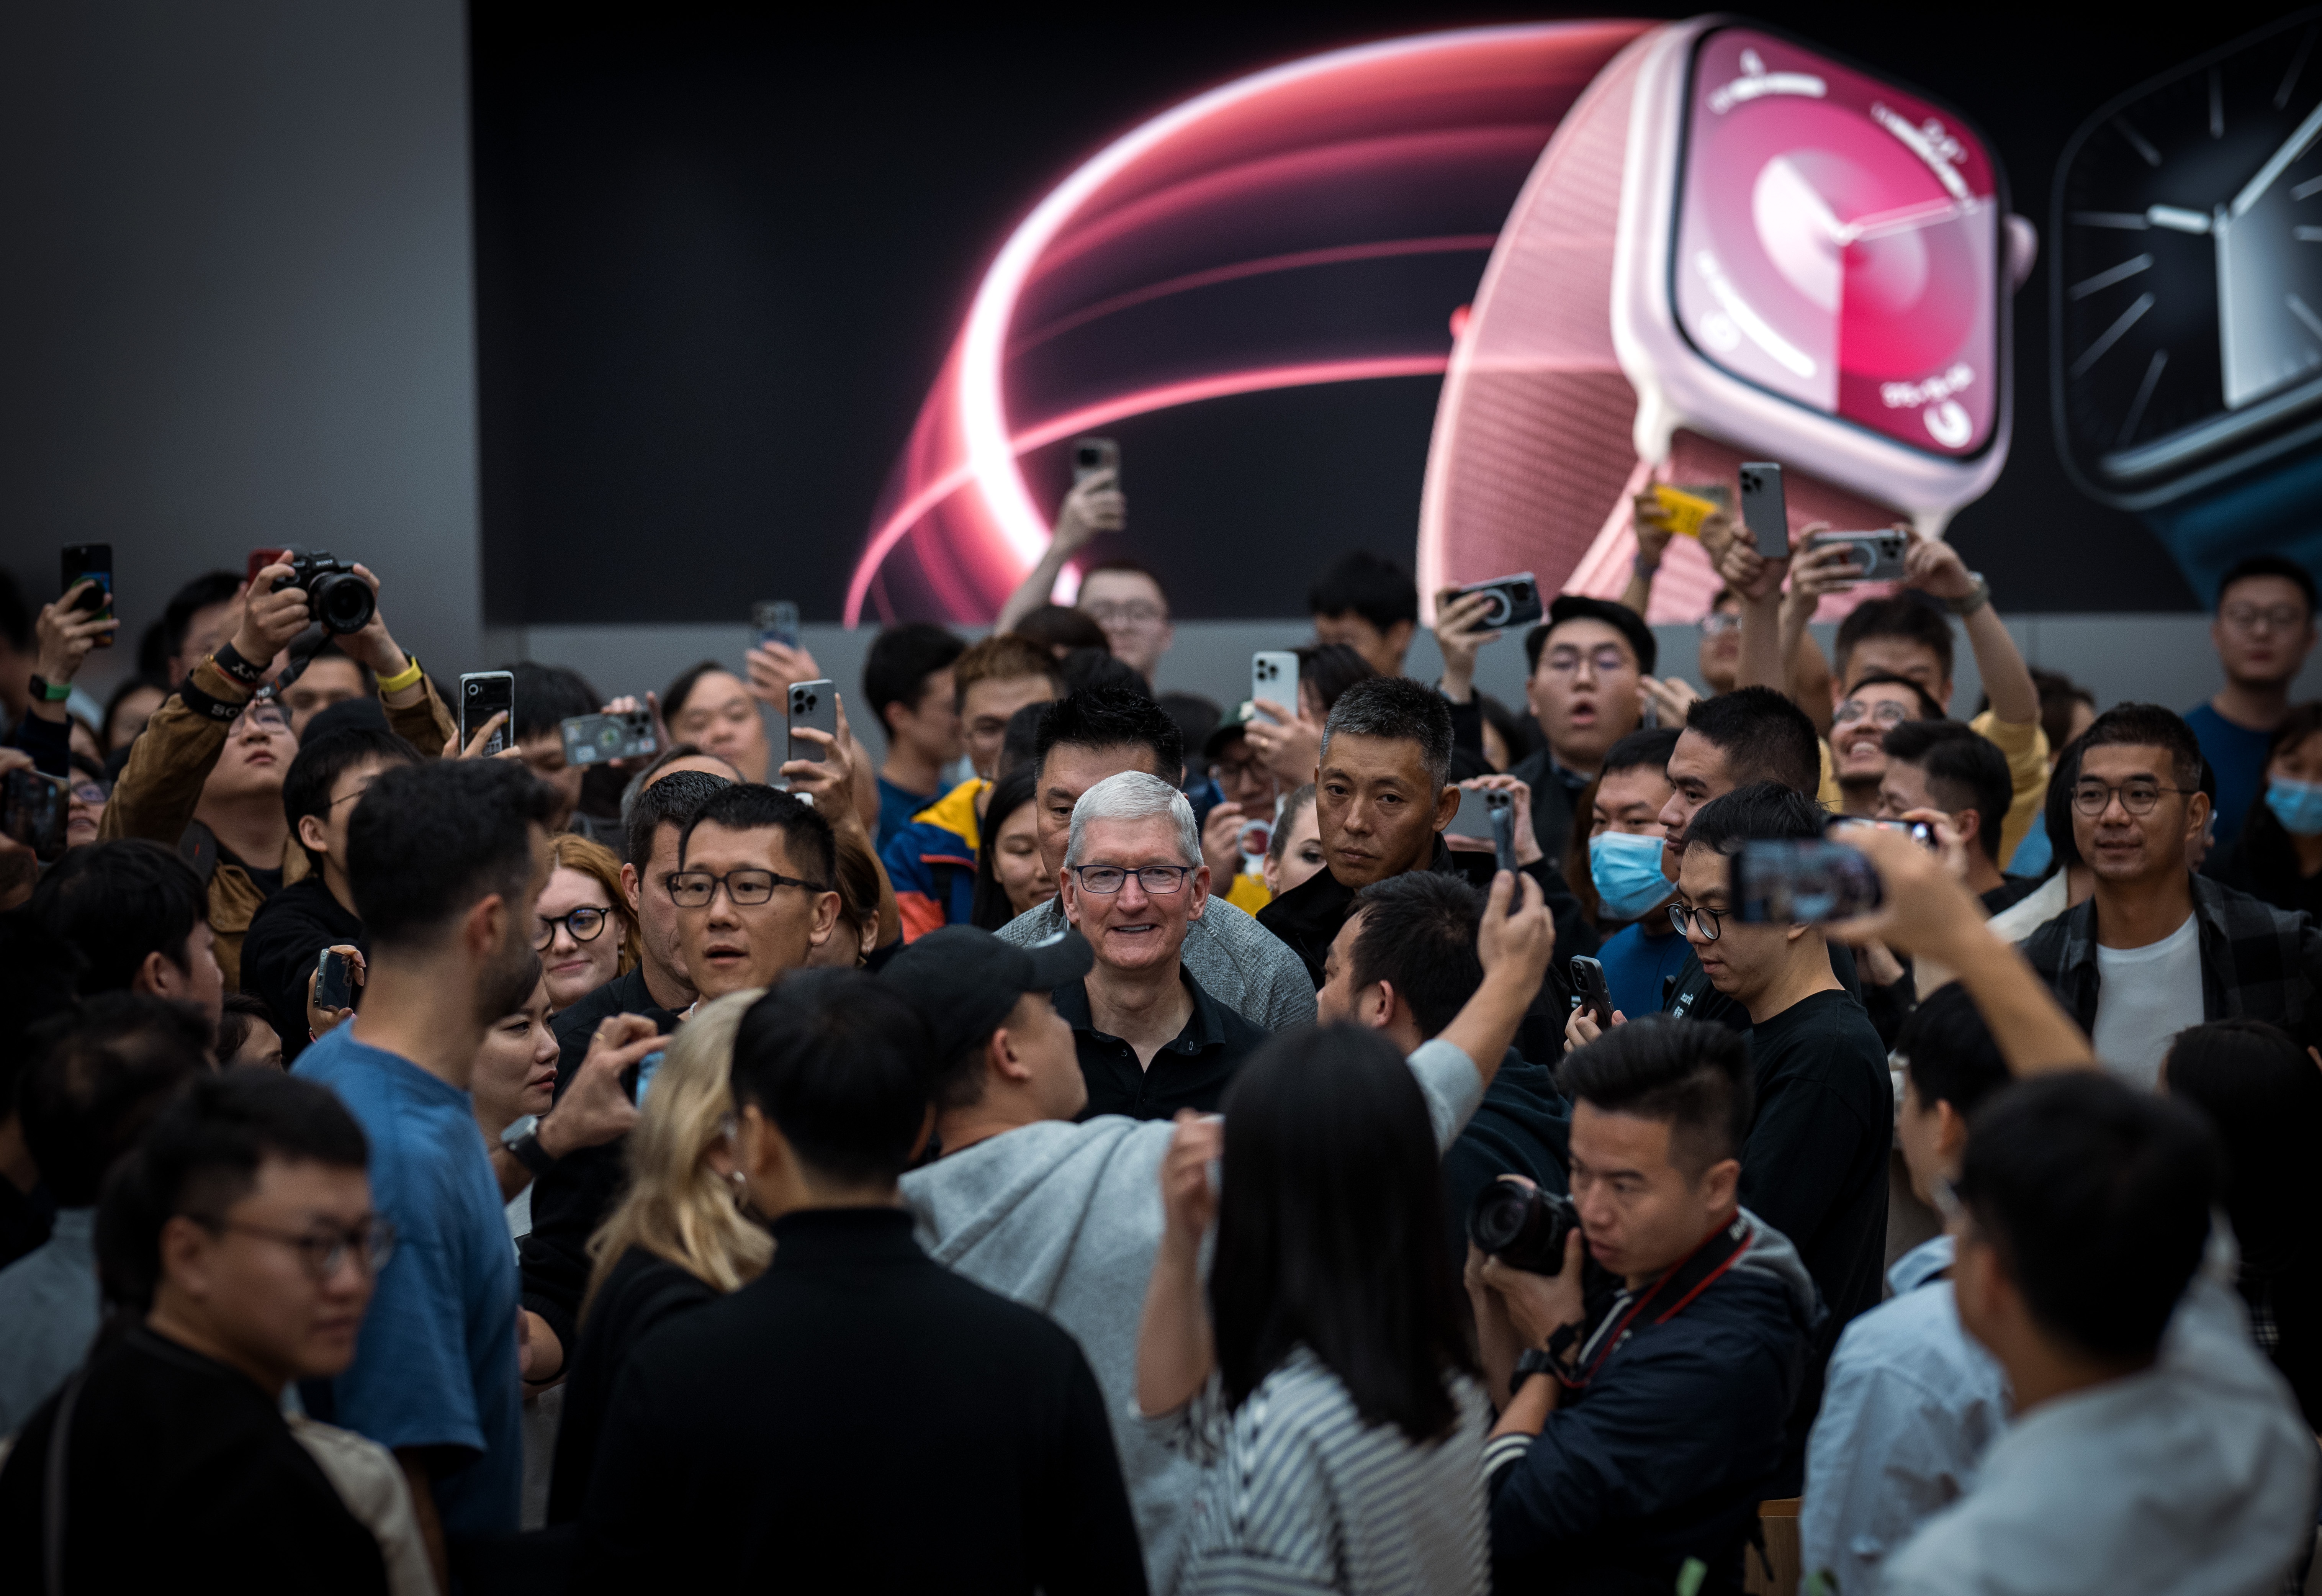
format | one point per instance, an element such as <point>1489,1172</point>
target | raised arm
<point>1094,505</point>
<point>1174,1348</point>
<point>1936,567</point>
<point>1514,949</point>
<point>1757,581</point>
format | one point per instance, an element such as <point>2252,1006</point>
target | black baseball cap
<point>963,981</point>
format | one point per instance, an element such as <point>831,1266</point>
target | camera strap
<point>1671,1294</point>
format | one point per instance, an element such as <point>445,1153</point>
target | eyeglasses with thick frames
<point>694,889</point>
<point>585,923</point>
<point>324,1250</point>
<point>2138,795</point>
<point>2252,617</point>
<point>1158,880</point>
<point>1712,921</point>
<point>1607,661</point>
<point>1129,614</point>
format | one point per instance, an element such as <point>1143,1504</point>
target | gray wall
<point>2157,658</point>
<point>236,300</point>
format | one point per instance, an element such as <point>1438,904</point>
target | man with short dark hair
<point>1588,662</point>
<point>907,680</point>
<point>1066,1216</point>
<point>240,1247</point>
<point>2151,1447</point>
<point>137,914</point>
<point>2156,947</point>
<point>446,859</point>
<point>765,1412</point>
<point>95,1080</point>
<point>325,783</point>
<point>1638,1431</point>
<point>1942,766</point>
<point>1382,798</point>
<point>1370,604</point>
<point>2263,633</point>
<point>547,696</point>
<point>198,617</point>
<point>1100,732</point>
<point>1404,964</point>
<point>1910,1403</point>
<point>576,1153</point>
<point>321,676</point>
<point>1129,602</point>
<point>754,888</point>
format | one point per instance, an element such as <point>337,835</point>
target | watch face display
<point>1838,242</point>
<point>2189,263</point>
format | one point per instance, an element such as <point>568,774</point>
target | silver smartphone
<point>482,695</point>
<point>1764,509</point>
<point>812,704</point>
<point>1274,673</point>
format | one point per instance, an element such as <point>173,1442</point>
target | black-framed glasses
<point>586,923</point>
<point>1607,661</point>
<point>1712,921</point>
<point>2138,795</point>
<point>326,1249</point>
<point>1159,880</point>
<point>694,889</point>
<point>2251,618</point>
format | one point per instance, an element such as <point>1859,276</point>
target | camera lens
<point>343,603</point>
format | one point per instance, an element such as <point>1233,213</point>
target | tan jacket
<point>161,785</point>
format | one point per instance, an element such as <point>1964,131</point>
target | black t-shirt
<point>279,952</point>
<point>180,1473</point>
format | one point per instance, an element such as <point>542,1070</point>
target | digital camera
<point>339,600</point>
<point>1522,1226</point>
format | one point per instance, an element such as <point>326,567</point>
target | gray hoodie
<point>1067,1217</point>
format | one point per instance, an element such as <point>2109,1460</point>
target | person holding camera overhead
<point>1637,1434</point>
<point>206,777</point>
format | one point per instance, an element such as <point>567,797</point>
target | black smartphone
<point>95,562</point>
<point>1801,883</point>
<point>1588,984</point>
<point>482,695</point>
<point>1090,455</point>
<point>774,620</point>
<point>1502,808</point>
<point>33,810</point>
<point>597,739</point>
<point>334,981</point>
<point>1764,508</point>
<point>1514,599</point>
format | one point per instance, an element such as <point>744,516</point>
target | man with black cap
<point>1588,659</point>
<point>1066,1217</point>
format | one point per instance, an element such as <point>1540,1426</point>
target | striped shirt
<point>1299,1494</point>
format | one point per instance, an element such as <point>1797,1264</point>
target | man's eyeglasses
<point>87,792</point>
<point>1129,614</point>
<point>2138,795</point>
<point>1718,622</point>
<point>694,889</point>
<point>1607,661</point>
<point>1160,880</point>
<point>264,716</point>
<point>1712,921</point>
<point>2252,617</point>
<point>584,923</point>
<point>326,1249</point>
<point>1885,711</point>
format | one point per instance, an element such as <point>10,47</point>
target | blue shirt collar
<point>1921,1264</point>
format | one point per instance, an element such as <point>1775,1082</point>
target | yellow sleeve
<point>2026,747</point>
<point>1831,798</point>
<point>1248,895</point>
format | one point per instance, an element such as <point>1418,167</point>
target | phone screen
<point>95,562</point>
<point>482,695</point>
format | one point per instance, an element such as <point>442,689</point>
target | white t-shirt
<point>2145,996</point>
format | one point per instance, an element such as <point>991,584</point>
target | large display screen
<point>1838,242</point>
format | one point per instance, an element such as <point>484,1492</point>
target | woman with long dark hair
<point>2263,1095</point>
<point>1326,1383</point>
<point>1010,874</point>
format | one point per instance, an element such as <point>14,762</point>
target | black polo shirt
<point>1189,1072</point>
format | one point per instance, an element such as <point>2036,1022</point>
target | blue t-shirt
<point>2237,756</point>
<point>435,1365</point>
<point>1635,965</point>
<point>896,808</point>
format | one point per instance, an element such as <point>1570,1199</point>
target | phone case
<point>482,695</point>
<point>1274,673</point>
<point>812,704</point>
<point>1764,509</point>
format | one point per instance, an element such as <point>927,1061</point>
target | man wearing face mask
<point>2277,854</point>
<point>1625,860</point>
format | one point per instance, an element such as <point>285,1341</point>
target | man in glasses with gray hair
<point>1150,1039</point>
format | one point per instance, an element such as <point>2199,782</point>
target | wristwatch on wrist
<point>1969,603</point>
<point>1533,1362</point>
<point>47,691</point>
<point>521,1141</point>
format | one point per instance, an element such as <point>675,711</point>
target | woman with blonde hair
<point>677,1239</point>
<point>584,932</point>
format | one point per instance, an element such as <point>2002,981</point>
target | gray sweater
<point>1237,961</point>
<point>1067,1217</point>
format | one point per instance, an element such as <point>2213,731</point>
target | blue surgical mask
<point>1627,871</point>
<point>2298,805</point>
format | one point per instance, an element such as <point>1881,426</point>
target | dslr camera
<point>336,596</point>
<point>1521,1225</point>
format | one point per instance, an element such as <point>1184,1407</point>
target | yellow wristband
<point>403,678</point>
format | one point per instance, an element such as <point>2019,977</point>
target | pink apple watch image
<point>1736,247</point>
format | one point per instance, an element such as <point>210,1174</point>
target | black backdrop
<point>719,258</point>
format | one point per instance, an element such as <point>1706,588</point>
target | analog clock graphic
<point>1838,242</point>
<point>2188,283</point>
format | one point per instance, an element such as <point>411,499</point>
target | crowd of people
<point>1122,1141</point>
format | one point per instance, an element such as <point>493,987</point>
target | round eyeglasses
<point>326,1249</point>
<point>585,924</point>
<point>1160,880</point>
<point>1711,921</point>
